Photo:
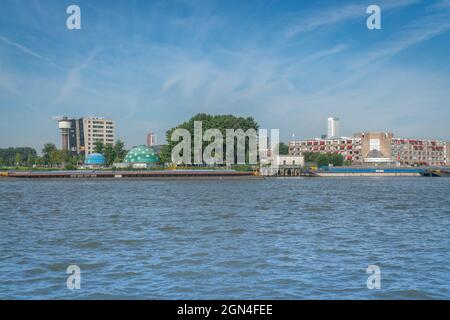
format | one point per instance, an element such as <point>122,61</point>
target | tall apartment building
<point>85,132</point>
<point>151,139</point>
<point>333,129</point>
<point>98,129</point>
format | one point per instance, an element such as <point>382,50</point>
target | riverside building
<point>83,133</point>
<point>349,148</point>
<point>421,152</point>
<point>375,148</point>
<point>378,148</point>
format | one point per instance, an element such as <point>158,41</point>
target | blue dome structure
<point>96,159</point>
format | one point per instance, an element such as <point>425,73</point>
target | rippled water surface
<point>276,238</point>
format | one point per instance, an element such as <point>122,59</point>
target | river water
<point>309,238</point>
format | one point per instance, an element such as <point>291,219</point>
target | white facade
<point>139,165</point>
<point>151,139</point>
<point>288,160</point>
<point>98,129</point>
<point>333,128</point>
<point>271,166</point>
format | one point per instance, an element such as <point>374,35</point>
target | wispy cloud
<point>189,77</point>
<point>329,17</point>
<point>412,34</point>
<point>338,14</point>
<point>172,62</point>
<point>325,53</point>
<point>73,80</point>
<point>25,50</point>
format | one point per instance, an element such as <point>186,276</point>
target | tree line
<point>324,159</point>
<point>220,122</point>
<point>111,153</point>
<point>12,156</point>
<point>54,157</point>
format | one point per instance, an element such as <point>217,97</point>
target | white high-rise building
<point>80,135</point>
<point>151,139</point>
<point>97,129</point>
<point>333,128</point>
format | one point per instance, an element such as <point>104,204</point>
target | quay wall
<point>368,174</point>
<point>159,174</point>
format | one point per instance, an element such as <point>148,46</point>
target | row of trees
<point>324,159</point>
<point>220,122</point>
<point>14,156</point>
<point>223,122</point>
<point>28,156</point>
<point>112,154</point>
<point>54,157</point>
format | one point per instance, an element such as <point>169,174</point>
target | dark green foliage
<point>221,122</point>
<point>283,148</point>
<point>17,156</point>
<point>112,154</point>
<point>53,157</point>
<point>70,167</point>
<point>99,147</point>
<point>119,151</point>
<point>324,159</point>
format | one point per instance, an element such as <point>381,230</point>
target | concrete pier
<point>156,174</point>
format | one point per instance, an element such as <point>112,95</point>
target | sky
<point>150,65</point>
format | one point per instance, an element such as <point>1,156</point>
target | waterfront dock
<point>155,174</point>
<point>224,174</point>
<point>370,172</point>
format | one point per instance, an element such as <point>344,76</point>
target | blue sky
<point>290,64</point>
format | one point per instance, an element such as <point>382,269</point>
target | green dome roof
<point>142,154</point>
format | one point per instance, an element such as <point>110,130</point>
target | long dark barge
<point>154,174</point>
<point>437,173</point>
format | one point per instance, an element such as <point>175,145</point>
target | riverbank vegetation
<point>13,156</point>
<point>220,122</point>
<point>324,159</point>
<point>112,154</point>
<point>26,158</point>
